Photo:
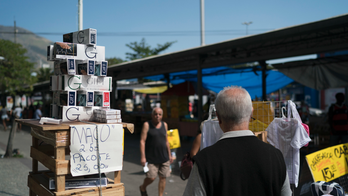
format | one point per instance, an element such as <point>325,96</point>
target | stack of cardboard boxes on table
<point>80,84</point>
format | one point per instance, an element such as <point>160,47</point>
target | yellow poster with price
<point>329,163</point>
<point>173,138</point>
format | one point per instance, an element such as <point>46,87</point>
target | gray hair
<point>233,105</point>
<point>155,108</point>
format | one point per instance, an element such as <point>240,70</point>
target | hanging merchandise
<point>289,135</point>
<point>211,131</point>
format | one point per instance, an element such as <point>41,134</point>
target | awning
<point>215,79</point>
<point>152,90</point>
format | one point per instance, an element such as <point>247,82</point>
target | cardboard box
<point>79,181</point>
<point>102,99</point>
<point>67,98</point>
<point>54,84</point>
<point>110,116</point>
<point>85,98</point>
<point>96,83</point>
<point>104,111</point>
<point>86,36</point>
<point>63,50</point>
<point>55,97</point>
<point>65,66</point>
<point>90,98</point>
<point>77,113</point>
<point>85,67</point>
<point>101,68</point>
<point>50,52</point>
<point>84,82</point>
<point>111,121</point>
<point>54,111</point>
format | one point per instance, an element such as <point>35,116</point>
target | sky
<point>159,21</point>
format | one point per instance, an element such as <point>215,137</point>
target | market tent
<point>184,89</point>
<point>215,79</point>
<point>320,73</point>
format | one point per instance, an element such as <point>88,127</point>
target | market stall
<point>175,104</point>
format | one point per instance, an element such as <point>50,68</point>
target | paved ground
<point>14,171</point>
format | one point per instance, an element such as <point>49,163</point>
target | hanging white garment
<point>288,135</point>
<point>211,133</point>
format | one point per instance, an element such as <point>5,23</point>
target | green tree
<point>15,69</point>
<point>44,74</point>
<point>115,60</point>
<point>142,50</point>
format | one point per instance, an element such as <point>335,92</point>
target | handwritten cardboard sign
<point>83,148</point>
<point>173,138</point>
<point>329,163</point>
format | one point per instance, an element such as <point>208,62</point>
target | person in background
<point>31,111</point>
<point>338,120</point>
<point>155,151</point>
<point>38,113</point>
<point>239,164</point>
<point>304,112</point>
<point>17,114</point>
<point>4,116</point>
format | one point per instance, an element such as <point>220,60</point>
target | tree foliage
<point>115,60</point>
<point>15,69</point>
<point>44,74</point>
<point>142,49</point>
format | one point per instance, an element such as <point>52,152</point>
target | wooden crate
<point>56,142</point>
<point>39,185</point>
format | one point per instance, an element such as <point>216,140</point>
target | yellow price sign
<point>173,138</point>
<point>329,163</point>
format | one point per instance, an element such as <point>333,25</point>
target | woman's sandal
<point>143,193</point>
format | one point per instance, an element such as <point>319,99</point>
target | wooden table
<point>56,140</point>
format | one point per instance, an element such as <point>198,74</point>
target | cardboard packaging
<point>80,181</point>
<point>85,98</point>
<point>82,82</point>
<point>102,99</point>
<point>104,111</point>
<point>54,85</point>
<point>67,98</point>
<point>101,68</point>
<point>85,67</point>
<point>77,113</point>
<point>110,116</point>
<point>95,83</point>
<point>63,50</point>
<point>65,66</point>
<point>110,121</point>
<point>50,52</point>
<point>86,36</point>
<point>54,111</point>
<point>90,98</point>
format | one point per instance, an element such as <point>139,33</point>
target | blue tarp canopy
<point>215,79</point>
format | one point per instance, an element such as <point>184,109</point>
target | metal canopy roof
<point>321,36</point>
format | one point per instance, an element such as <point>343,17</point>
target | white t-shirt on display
<point>211,133</point>
<point>288,136</point>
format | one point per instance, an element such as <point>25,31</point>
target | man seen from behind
<point>239,164</point>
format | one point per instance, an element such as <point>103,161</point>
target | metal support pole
<point>167,77</point>
<point>264,75</point>
<point>199,89</point>
<point>202,24</point>
<point>80,27</point>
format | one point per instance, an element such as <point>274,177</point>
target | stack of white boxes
<point>80,84</point>
<point>107,116</point>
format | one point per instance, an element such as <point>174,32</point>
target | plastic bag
<point>326,188</point>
